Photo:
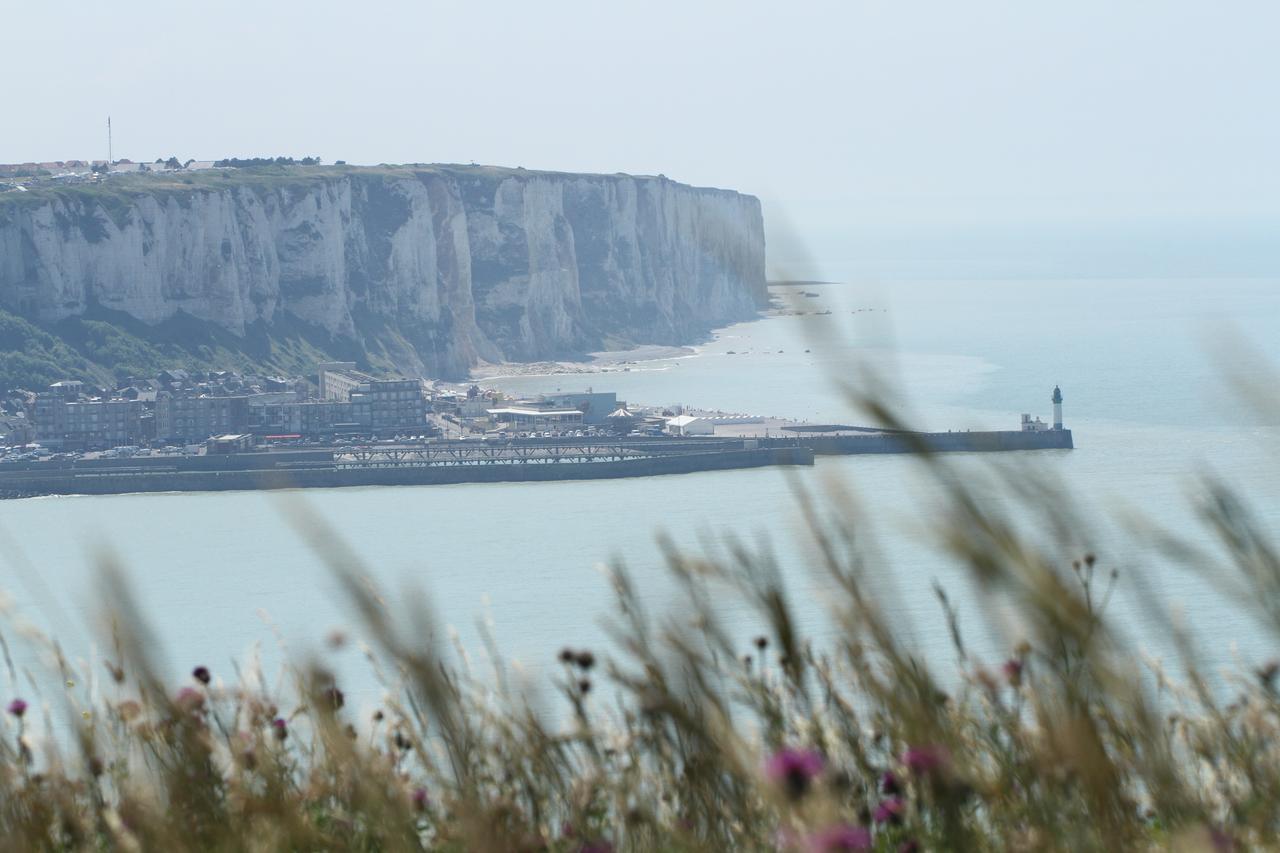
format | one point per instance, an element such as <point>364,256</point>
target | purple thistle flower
<point>419,798</point>
<point>794,769</point>
<point>841,837</point>
<point>280,728</point>
<point>1221,840</point>
<point>1013,671</point>
<point>890,811</point>
<point>18,707</point>
<point>201,674</point>
<point>924,760</point>
<point>890,784</point>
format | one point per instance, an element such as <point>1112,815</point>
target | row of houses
<point>63,417</point>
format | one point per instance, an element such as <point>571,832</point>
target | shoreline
<point>609,361</point>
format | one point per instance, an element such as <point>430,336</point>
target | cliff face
<point>434,267</point>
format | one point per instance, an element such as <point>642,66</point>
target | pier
<point>489,461</point>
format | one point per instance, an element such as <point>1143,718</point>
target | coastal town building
<point>596,406</point>
<point>690,425</point>
<point>525,419</point>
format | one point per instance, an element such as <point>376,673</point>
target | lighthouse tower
<point>1057,407</point>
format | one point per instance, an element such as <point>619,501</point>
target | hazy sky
<point>891,129</point>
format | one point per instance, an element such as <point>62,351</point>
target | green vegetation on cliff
<point>106,346</point>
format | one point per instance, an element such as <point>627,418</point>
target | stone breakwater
<point>434,268</point>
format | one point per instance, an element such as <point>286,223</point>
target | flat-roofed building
<point>596,406</point>
<point>524,419</point>
<point>192,419</point>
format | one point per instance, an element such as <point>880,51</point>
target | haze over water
<point>1147,406</point>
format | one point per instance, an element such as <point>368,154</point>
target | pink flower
<point>280,728</point>
<point>189,699</point>
<point>18,707</point>
<point>924,760</point>
<point>1013,671</point>
<point>889,783</point>
<point>890,811</point>
<point>835,839</point>
<point>795,769</point>
<point>419,798</point>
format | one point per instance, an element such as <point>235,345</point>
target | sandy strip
<point>600,362</point>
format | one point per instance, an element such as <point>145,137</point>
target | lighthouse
<point>1057,407</point>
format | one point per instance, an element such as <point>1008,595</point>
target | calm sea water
<point>1142,365</point>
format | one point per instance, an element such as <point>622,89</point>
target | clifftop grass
<point>125,187</point>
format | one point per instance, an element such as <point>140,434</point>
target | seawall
<point>939,442</point>
<point>214,479</point>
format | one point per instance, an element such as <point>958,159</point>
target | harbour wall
<point>122,480</point>
<point>938,442</point>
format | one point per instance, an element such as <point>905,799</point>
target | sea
<point>1166,383</point>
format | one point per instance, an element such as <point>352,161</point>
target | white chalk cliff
<point>437,266</point>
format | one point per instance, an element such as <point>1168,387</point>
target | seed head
<point>332,698</point>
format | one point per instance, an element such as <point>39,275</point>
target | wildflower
<point>890,784</point>
<point>762,642</point>
<point>567,655</point>
<point>280,728</point>
<point>586,660</point>
<point>1267,674</point>
<point>795,769</point>
<point>419,798</point>
<point>1013,671</point>
<point>189,699</point>
<point>18,707</point>
<point>333,698</point>
<point>839,838</point>
<point>924,760</point>
<point>585,685</point>
<point>890,811</point>
<point>201,674</point>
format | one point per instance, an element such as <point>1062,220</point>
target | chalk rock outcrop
<point>436,267</point>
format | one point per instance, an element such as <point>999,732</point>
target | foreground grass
<point>679,740</point>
